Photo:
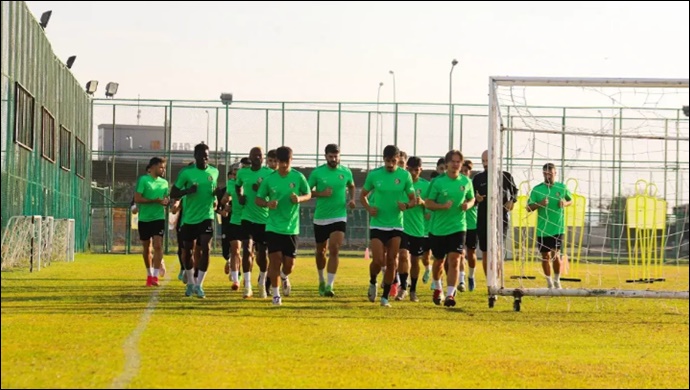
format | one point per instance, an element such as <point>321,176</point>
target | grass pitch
<point>92,323</point>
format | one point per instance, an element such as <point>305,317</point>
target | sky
<point>320,51</point>
<point>342,51</point>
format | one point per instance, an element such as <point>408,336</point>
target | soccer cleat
<point>189,290</point>
<point>235,286</point>
<point>247,292</point>
<point>149,281</point>
<point>322,288</point>
<point>184,276</point>
<point>384,302</point>
<point>413,297</point>
<point>154,281</point>
<point>227,267</point>
<point>402,294</point>
<point>199,292</point>
<point>162,270</point>
<point>329,292</point>
<point>372,292</point>
<point>461,287</point>
<point>277,301</point>
<point>427,274</point>
<point>438,297</point>
<point>287,287</point>
<point>549,283</point>
<point>394,290</point>
<point>470,282</point>
<point>181,276</point>
<point>557,285</point>
<point>449,302</point>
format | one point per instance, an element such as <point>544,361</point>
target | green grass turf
<point>85,324</point>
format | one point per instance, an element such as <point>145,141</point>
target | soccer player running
<point>197,185</point>
<point>386,217</point>
<point>151,197</point>
<point>471,238</point>
<point>450,196</point>
<point>225,211</point>
<point>254,218</point>
<point>333,187</point>
<point>282,192</point>
<point>414,238</point>
<point>272,159</point>
<point>237,238</point>
<point>509,196</point>
<point>549,199</point>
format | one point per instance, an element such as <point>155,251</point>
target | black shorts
<point>237,233</point>
<point>150,229</point>
<point>443,245</point>
<point>323,232</point>
<point>471,239</point>
<point>255,231</point>
<point>194,231</point>
<point>550,243</point>
<point>384,235</point>
<point>483,238</point>
<point>415,245</point>
<point>284,243</point>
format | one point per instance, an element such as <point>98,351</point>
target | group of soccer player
<point>412,220</point>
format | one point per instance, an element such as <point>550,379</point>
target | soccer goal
<point>35,241</point>
<point>620,148</point>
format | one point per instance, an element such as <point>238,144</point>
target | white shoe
<point>277,301</point>
<point>247,292</point>
<point>557,285</point>
<point>262,286</point>
<point>287,287</point>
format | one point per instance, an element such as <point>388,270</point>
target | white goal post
<point>621,142</point>
<point>36,241</point>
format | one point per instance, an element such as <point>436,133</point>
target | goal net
<point>35,241</point>
<point>615,223</point>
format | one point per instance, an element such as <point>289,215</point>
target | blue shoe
<point>470,282</point>
<point>189,291</point>
<point>199,292</point>
<point>425,278</point>
<point>384,302</point>
<point>180,276</point>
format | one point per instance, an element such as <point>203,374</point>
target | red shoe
<point>154,281</point>
<point>394,290</point>
<point>149,281</point>
<point>235,286</point>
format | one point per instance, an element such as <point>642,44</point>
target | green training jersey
<point>387,187</point>
<point>198,206</point>
<point>442,190</point>
<point>550,219</point>
<point>250,181</point>
<point>284,219</point>
<point>332,208</point>
<point>151,188</point>
<point>414,221</point>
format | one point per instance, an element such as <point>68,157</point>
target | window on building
<point>24,118</point>
<point>48,135</point>
<point>80,158</point>
<point>65,148</point>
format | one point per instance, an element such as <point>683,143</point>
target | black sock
<point>386,290</point>
<point>403,281</point>
<point>372,279</point>
<point>413,286</point>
